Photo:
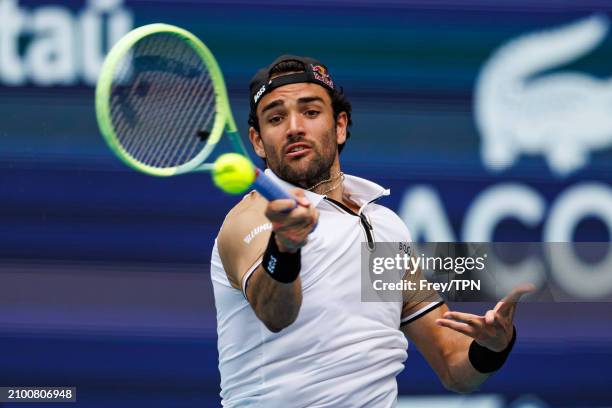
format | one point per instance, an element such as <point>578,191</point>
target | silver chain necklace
<point>335,186</point>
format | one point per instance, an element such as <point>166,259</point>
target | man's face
<point>298,136</point>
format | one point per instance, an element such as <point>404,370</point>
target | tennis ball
<point>233,173</point>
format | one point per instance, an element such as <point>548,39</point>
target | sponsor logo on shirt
<point>257,230</point>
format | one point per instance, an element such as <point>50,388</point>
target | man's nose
<point>296,125</point>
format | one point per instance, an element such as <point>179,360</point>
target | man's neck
<point>338,194</point>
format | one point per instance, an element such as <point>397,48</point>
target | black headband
<point>314,72</point>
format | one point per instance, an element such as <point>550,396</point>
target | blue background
<point>104,272</point>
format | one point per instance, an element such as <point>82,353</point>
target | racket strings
<point>162,95</point>
<point>144,134</point>
<point>165,85</point>
<point>200,92</point>
<point>134,133</point>
<point>205,94</point>
<point>169,87</point>
<point>206,116</point>
<point>189,121</point>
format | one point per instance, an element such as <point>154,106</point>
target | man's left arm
<point>445,339</point>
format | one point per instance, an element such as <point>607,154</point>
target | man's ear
<point>341,123</point>
<point>257,143</point>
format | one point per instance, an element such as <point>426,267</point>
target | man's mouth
<point>297,150</point>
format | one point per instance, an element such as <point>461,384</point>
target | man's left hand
<point>494,329</point>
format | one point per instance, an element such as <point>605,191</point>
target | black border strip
<point>402,324</point>
<point>250,273</point>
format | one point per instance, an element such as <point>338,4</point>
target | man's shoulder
<point>245,215</point>
<point>393,221</point>
<point>253,201</point>
<point>385,211</point>
<point>243,237</point>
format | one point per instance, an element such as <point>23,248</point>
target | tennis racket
<point>162,105</point>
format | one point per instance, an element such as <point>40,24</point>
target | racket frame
<point>223,121</point>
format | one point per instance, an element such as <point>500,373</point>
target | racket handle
<point>268,188</point>
<point>272,191</point>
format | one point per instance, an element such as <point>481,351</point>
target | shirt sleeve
<point>420,301</point>
<point>243,239</point>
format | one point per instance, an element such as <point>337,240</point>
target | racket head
<point>161,101</point>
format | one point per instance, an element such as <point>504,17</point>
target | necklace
<point>340,175</point>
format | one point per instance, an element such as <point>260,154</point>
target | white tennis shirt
<point>340,352</point>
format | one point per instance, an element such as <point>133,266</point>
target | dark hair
<point>339,101</point>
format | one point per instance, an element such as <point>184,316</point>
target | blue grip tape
<point>272,191</point>
<point>269,189</point>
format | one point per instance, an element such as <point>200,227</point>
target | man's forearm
<point>276,304</point>
<point>463,377</point>
<point>473,363</point>
<point>275,291</point>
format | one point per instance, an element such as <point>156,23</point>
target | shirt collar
<point>363,191</point>
<point>358,189</point>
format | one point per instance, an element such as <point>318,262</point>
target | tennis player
<point>293,331</point>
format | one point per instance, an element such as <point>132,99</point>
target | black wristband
<point>488,361</point>
<point>281,266</point>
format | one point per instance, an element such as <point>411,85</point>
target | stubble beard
<point>319,164</point>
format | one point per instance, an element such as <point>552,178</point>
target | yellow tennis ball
<point>233,173</point>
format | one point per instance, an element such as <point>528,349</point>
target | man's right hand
<point>292,223</point>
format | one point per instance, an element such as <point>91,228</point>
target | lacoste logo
<point>563,115</point>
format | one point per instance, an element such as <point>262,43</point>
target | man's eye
<point>312,113</point>
<point>274,119</point>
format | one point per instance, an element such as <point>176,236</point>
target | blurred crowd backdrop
<point>488,120</point>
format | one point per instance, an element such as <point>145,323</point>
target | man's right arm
<point>275,293</point>
<point>274,288</point>
<point>276,304</point>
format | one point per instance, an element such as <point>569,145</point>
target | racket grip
<point>268,188</point>
<point>272,191</point>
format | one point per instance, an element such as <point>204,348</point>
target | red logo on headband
<point>321,74</point>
